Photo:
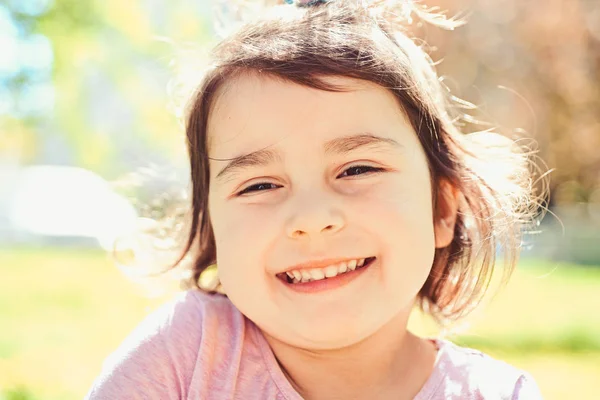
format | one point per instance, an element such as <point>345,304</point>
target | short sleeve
<point>526,389</point>
<point>153,362</point>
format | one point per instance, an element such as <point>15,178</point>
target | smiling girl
<point>333,191</point>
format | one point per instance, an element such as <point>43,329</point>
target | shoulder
<point>468,373</point>
<point>159,356</point>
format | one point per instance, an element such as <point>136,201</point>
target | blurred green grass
<point>63,311</point>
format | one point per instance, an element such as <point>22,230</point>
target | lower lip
<point>328,283</point>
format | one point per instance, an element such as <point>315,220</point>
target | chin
<point>336,334</point>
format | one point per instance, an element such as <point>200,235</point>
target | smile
<point>331,271</point>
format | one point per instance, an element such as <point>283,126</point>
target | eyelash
<point>369,168</point>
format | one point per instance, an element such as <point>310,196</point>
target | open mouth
<point>332,271</point>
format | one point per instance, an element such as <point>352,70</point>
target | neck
<point>392,363</point>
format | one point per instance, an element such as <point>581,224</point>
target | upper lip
<point>321,263</point>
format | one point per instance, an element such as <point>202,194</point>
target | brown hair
<point>369,41</point>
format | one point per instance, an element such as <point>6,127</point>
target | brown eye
<point>259,187</point>
<point>360,170</point>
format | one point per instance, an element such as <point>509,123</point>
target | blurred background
<point>84,103</point>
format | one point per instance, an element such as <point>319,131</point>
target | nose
<point>313,216</point>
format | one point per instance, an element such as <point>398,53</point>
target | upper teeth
<point>315,274</point>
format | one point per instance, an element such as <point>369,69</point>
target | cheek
<point>400,204</point>
<point>243,225</point>
<point>402,214</point>
<point>242,235</point>
<point>406,225</point>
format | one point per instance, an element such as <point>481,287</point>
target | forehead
<point>252,111</point>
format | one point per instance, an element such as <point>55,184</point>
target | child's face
<point>312,205</point>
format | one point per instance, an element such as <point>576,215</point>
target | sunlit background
<point>84,102</point>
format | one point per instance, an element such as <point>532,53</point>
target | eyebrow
<point>340,146</point>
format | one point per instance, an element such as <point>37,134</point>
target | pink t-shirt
<point>201,347</point>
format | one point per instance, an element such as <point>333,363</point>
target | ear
<point>445,214</point>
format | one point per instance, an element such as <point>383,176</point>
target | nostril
<point>329,228</point>
<point>297,234</point>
